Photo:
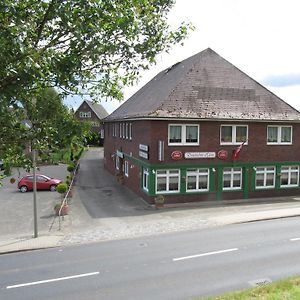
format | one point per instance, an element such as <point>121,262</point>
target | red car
<point>43,182</point>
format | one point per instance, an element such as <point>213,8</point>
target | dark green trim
<point>215,176</point>
<point>245,183</point>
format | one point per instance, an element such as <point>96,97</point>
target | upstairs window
<point>279,135</point>
<point>234,134</point>
<point>85,114</point>
<point>183,134</point>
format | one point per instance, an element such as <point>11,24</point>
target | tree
<point>94,46</point>
<point>44,123</point>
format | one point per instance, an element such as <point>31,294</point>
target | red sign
<point>222,154</point>
<point>176,155</point>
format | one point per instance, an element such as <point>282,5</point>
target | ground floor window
<point>265,177</point>
<point>117,162</point>
<point>126,168</point>
<point>167,181</point>
<point>232,178</point>
<point>145,179</point>
<point>197,180</point>
<point>289,176</point>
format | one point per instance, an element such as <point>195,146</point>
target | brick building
<point>204,130</point>
<point>94,113</point>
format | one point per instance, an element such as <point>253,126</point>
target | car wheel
<point>53,188</point>
<point>23,189</point>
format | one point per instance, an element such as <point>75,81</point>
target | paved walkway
<point>139,219</point>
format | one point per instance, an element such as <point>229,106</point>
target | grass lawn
<point>288,289</point>
<point>63,156</point>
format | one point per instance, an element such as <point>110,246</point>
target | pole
<point>34,195</point>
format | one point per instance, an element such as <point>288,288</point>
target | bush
<point>62,188</point>
<point>71,168</point>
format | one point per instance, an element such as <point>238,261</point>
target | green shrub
<point>62,188</point>
<point>71,168</point>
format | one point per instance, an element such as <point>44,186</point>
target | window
<point>234,134</point>
<point>126,168</point>
<point>130,131</point>
<point>197,180</point>
<point>126,135</point>
<point>120,130</point>
<point>265,177</point>
<point>232,178</point>
<point>114,129</point>
<point>289,176</point>
<point>279,135</point>
<point>117,162</point>
<point>85,114</point>
<point>123,130</point>
<point>183,134</point>
<point>167,181</point>
<point>145,179</point>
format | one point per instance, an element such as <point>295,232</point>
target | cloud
<point>282,80</point>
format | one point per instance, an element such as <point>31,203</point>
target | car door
<point>29,182</point>
<point>41,183</point>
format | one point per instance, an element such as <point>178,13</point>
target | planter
<point>159,201</point>
<point>64,211</point>
<point>69,195</point>
<point>120,178</point>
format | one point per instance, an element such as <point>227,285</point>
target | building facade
<point>93,113</point>
<point>204,130</point>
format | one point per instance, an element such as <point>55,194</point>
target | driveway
<point>101,194</point>
<point>16,208</point>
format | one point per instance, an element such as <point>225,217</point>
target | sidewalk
<point>172,218</point>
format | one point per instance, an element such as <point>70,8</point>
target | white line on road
<point>52,280</point>
<point>295,239</point>
<point>205,254</point>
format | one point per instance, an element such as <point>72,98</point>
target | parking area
<point>16,208</point>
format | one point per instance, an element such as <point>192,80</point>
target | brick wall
<point>150,132</point>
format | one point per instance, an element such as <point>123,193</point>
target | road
<point>168,266</point>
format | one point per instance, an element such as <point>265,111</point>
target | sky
<point>260,37</point>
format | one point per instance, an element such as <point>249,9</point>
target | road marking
<point>205,254</point>
<point>295,239</point>
<point>52,280</point>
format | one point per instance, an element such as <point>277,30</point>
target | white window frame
<point>85,114</point>
<point>183,135</point>
<point>120,130</point>
<point>146,179</point>
<point>126,132</point>
<point>265,172</point>
<point>126,168</point>
<point>233,142</point>
<point>167,175</point>
<point>130,131</point>
<point>289,171</point>
<point>197,173</point>
<point>233,172</point>
<point>114,129</point>
<point>279,129</point>
<point>117,162</point>
<point>123,130</point>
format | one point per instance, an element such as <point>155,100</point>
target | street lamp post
<point>35,224</point>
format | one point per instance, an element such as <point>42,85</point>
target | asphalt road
<point>169,266</point>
